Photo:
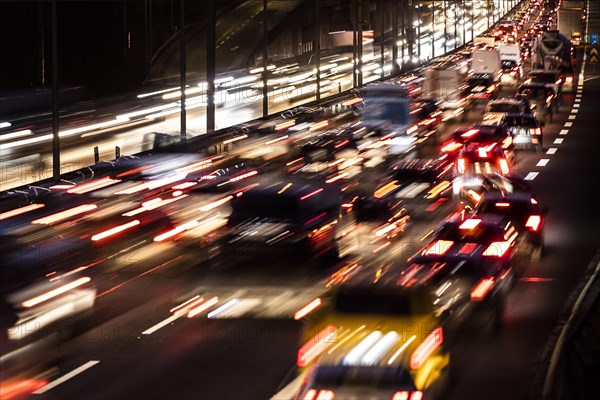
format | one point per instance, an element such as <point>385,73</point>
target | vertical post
<point>318,46</point>
<point>472,19</point>
<point>432,29</point>
<point>445,18</point>
<point>265,61</point>
<point>382,21</point>
<point>455,26</point>
<point>395,66</point>
<point>182,72</point>
<point>146,41</point>
<point>359,41</point>
<point>125,36</point>
<point>210,68</point>
<point>41,44</point>
<point>419,32</point>
<point>462,17</point>
<point>354,43</point>
<point>55,116</point>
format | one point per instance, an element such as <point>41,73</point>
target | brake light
<point>549,99</point>
<point>316,345</point>
<point>469,223</point>
<point>502,204</point>
<point>310,395</point>
<point>482,152</point>
<point>504,166</point>
<point>426,348</point>
<point>481,290</point>
<point>326,395</point>
<point>497,249</point>
<point>534,222</point>
<point>535,131</point>
<point>439,247</point>
<point>406,395</point>
<point>569,79</point>
<point>533,201</point>
<point>460,165</point>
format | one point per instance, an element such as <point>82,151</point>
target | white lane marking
<point>558,141</point>
<point>531,176</point>
<point>551,150</point>
<point>577,101</point>
<point>575,111</point>
<point>162,324</point>
<point>66,377</point>
<point>568,124</point>
<point>572,116</point>
<point>563,132</point>
<point>543,162</point>
<point>578,96</point>
<point>576,105</point>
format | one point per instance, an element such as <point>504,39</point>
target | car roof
<point>521,115</point>
<point>508,100</point>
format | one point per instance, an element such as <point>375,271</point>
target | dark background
<point>104,45</point>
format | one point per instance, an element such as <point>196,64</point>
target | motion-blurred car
<point>422,185</point>
<point>522,210</point>
<point>361,346</point>
<point>525,129</point>
<point>294,217</point>
<point>475,161</point>
<point>496,109</point>
<point>544,98</point>
<point>482,134</point>
<point>481,87</point>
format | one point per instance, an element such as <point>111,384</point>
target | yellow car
<point>375,342</point>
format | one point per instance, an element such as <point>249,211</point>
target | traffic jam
<point>405,210</point>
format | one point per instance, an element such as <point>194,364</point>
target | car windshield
<point>504,108</point>
<point>368,377</point>
<point>259,205</point>
<point>543,77</point>
<point>520,121</point>
<point>381,302</point>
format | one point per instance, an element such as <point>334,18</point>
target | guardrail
<point>570,366</point>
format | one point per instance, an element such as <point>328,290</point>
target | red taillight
<point>481,290</point>
<point>316,345</point>
<point>534,222</point>
<point>426,348</point>
<point>497,249</point>
<point>406,395</point>
<point>326,395</point>
<point>569,79</point>
<point>115,230</point>
<point>310,395</point>
<point>535,131</point>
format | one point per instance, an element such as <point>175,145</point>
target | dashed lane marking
<point>558,141</point>
<point>531,176</point>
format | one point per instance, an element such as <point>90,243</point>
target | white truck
<point>570,23</point>
<point>445,86</point>
<point>512,68</point>
<point>483,83</point>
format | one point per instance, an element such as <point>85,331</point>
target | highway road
<point>251,358</point>
<point>136,344</point>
